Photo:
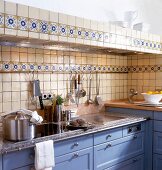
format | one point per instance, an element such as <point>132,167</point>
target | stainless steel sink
<point>100,119</point>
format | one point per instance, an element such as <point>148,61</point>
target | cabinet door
<point>0,162</point>
<point>18,159</point>
<point>29,167</point>
<point>157,162</point>
<point>158,142</point>
<point>81,160</point>
<point>132,164</point>
<point>148,145</point>
<point>109,154</point>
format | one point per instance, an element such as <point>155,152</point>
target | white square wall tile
<point>100,26</point>
<point>53,17</point>
<point>118,30</point>
<point>44,15</point>
<point>22,10</point>
<point>63,19</point>
<point>33,13</point>
<point>71,20</point>
<point>79,22</point>
<point>10,8</point>
<point>87,23</point>
<point>150,37</point>
<point>112,28</point>
<point>1,6</point>
<point>94,25</point>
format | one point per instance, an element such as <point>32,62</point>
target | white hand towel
<point>44,155</point>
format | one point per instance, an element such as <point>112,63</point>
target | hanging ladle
<point>90,101</point>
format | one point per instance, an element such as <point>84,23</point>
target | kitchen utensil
<point>37,92</point>
<point>90,101</point>
<point>76,91</point>
<point>70,94</point>
<point>130,16</point>
<point>82,92</point>
<point>98,99</point>
<point>144,27</point>
<point>57,113</point>
<point>17,127</point>
<point>123,24</point>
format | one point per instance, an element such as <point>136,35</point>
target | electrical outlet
<point>46,96</point>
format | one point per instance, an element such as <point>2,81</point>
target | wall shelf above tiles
<point>26,26</point>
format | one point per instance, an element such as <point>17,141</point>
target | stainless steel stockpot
<point>17,127</point>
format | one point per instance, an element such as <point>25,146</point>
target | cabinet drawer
<point>111,153</point>
<point>136,163</point>
<point>158,115</point>
<point>107,135</point>
<point>157,163</point>
<point>18,159</point>
<point>79,160</point>
<point>73,144</point>
<point>157,125</point>
<point>0,162</point>
<point>29,167</point>
<point>157,142</point>
<point>132,129</point>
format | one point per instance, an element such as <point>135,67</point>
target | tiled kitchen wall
<point>15,87</point>
<point>29,22</point>
<point>145,73</point>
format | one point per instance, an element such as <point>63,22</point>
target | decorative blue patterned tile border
<point>1,20</point>
<point>33,25</point>
<point>11,21</point>
<point>145,68</point>
<point>22,23</point>
<point>22,67</point>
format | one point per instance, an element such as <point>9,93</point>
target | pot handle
<point>3,116</point>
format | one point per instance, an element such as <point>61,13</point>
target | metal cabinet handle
<point>135,137</point>
<point>135,160</point>
<point>32,168</point>
<point>109,145</point>
<point>108,136</point>
<point>76,144</point>
<point>75,155</point>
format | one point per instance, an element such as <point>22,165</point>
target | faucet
<point>132,93</point>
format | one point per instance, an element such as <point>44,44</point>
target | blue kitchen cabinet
<point>29,167</point>
<point>0,162</point>
<point>157,162</point>
<point>158,142</point>
<point>135,163</point>
<point>148,135</point>
<point>116,151</point>
<point>18,159</point>
<point>75,153</point>
<point>80,160</point>
<point>73,144</point>
<point>157,157</point>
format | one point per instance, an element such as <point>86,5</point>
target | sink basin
<point>100,119</point>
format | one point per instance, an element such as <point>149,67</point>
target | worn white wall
<point>149,11</point>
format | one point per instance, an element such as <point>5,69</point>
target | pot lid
<point>17,116</point>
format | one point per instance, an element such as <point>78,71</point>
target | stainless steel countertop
<point>105,121</point>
